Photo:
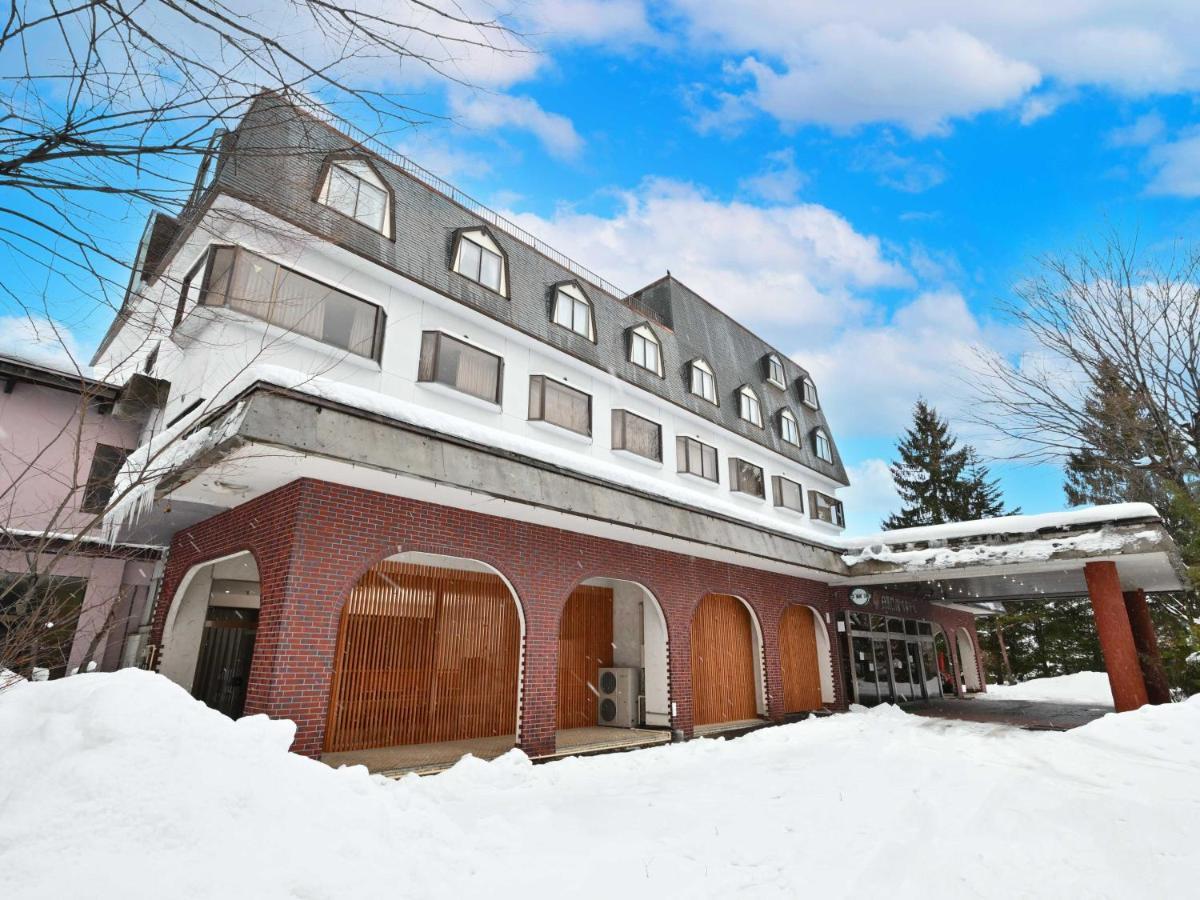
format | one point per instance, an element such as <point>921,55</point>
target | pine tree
<point>937,480</point>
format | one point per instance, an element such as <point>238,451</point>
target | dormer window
<point>749,407</point>
<point>354,189</point>
<point>644,349</point>
<point>573,310</point>
<point>808,392</point>
<point>822,445</point>
<point>478,257</point>
<point>704,382</point>
<point>775,374</point>
<point>789,428</point>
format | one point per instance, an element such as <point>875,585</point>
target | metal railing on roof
<point>463,199</point>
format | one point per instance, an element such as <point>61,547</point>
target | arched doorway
<point>209,635</point>
<point>726,662</point>
<point>944,662</point>
<point>800,650</point>
<point>967,662</point>
<point>428,652</point>
<point>617,625</point>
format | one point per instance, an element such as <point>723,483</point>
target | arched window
<point>775,371</point>
<point>808,392</point>
<point>478,257</point>
<point>354,189</point>
<point>704,382</point>
<point>789,428</point>
<point>822,446</point>
<point>644,349</point>
<point>749,407</point>
<point>573,310</point>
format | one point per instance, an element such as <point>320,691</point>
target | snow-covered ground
<point>122,786</point>
<point>1082,687</point>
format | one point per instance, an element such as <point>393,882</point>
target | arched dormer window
<point>573,310</point>
<point>808,393</point>
<point>775,374</point>
<point>749,407</point>
<point>645,349</point>
<point>789,428</point>
<point>478,257</point>
<point>703,381</point>
<point>354,188</point>
<point>822,445</point>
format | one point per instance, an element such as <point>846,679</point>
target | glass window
<point>353,189</point>
<point>479,259</point>
<point>748,406</point>
<point>696,458</point>
<point>554,402</point>
<point>775,371</point>
<point>808,392</point>
<point>746,478</point>
<point>789,428</point>
<point>704,382</point>
<point>572,310</point>
<point>644,349</point>
<point>102,476</point>
<point>788,493</point>
<point>637,435</point>
<point>822,446</point>
<point>254,285</point>
<point>825,508</point>
<point>455,364</point>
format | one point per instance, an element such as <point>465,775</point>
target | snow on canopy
<point>121,785</point>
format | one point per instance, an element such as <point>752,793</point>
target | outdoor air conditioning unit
<point>618,697</point>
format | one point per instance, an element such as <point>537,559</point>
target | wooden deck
<point>713,729</point>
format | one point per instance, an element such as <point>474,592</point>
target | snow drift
<point>1092,688</point>
<point>121,785</point>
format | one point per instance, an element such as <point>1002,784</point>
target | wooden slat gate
<point>724,680</point>
<point>424,655</point>
<point>585,644</point>
<point>799,660</point>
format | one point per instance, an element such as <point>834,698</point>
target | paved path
<point>1039,715</point>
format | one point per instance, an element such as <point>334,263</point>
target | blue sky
<point>861,183</point>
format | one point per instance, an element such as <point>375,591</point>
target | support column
<point>1116,636</point>
<point>1157,688</point>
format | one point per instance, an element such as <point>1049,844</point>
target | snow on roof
<point>51,359</point>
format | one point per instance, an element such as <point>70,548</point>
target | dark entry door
<point>223,667</point>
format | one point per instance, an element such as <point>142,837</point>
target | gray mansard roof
<point>274,160</point>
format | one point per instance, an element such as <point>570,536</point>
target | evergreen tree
<point>937,480</point>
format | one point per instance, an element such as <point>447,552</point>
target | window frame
<point>777,494</point>
<point>807,387</point>
<point>98,491</point>
<point>622,415</point>
<point>472,235</point>
<point>425,373</point>
<point>836,512</point>
<point>540,381</point>
<point>786,415</point>
<point>772,361</point>
<point>683,459</point>
<point>819,436</point>
<point>650,336</point>
<point>737,465</point>
<point>562,291</point>
<point>700,366</point>
<point>745,392</point>
<point>338,161</point>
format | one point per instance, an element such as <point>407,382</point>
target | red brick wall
<point>312,540</point>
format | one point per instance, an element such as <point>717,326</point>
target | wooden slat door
<point>724,680</point>
<point>799,661</point>
<point>424,655</point>
<point>585,645</point>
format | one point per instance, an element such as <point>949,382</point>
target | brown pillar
<point>1146,641</point>
<point>1116,636</point>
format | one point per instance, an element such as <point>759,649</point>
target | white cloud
<point>1141,132</point>
<point>1176,167</point>
<point>495,111</point>
<point>871,497</point>
<point>586,21</point>
<point>779,181</point>
<point>797,263</point>
<point>926,63</point>
<point>897,171</point>
<point>40,340</point>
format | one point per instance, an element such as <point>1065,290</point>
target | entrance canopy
<point>1020,557</point>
